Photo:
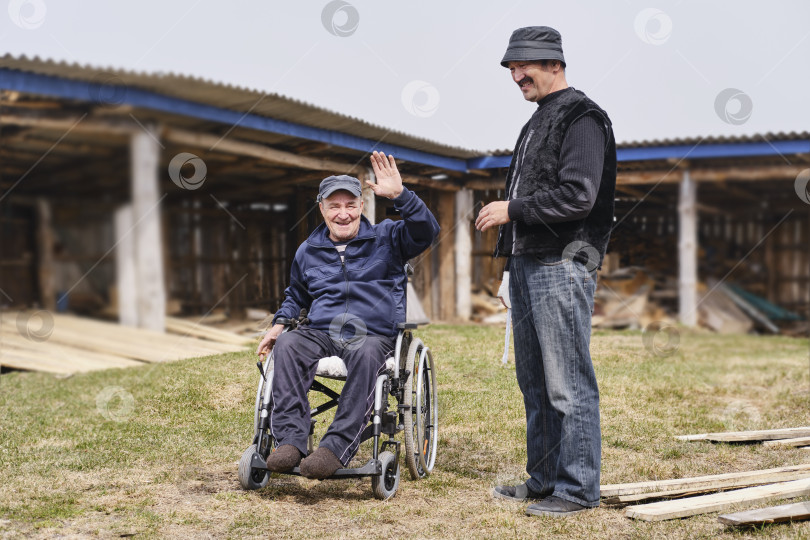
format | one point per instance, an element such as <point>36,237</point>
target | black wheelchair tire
<point>249,479</point>
<point>385,485</point>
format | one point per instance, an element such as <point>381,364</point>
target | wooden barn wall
<point>486,270</point>
<point>18,256</point>
<point>230,261</point>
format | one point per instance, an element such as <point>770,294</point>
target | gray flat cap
<point>334,183</point>
<point>534,43</point>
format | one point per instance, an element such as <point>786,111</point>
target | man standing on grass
<point>554,227</point>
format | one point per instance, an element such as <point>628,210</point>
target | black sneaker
<point>519,493</point>
<point>555,506</point>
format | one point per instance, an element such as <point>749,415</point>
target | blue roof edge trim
<point>11,79</point>
<point>680,151</point>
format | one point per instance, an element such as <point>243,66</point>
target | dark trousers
<point>296,356</point>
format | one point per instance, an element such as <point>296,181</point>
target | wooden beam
<point>637,491</point>
<point>740,174</point>
<point>463,255</point>
<point>441,185</point>
<point>486,185</point>
<point>649,177</point>
<point>687,251</point>
<point>73,123</point>
<point>149,275</point>
<point>763,516</point>
<point>798,441</point>
<point>714,175</point>
<point>747,436</point>
<point>716,502</point>
<point>220,144</point>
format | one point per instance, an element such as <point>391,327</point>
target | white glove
<point>503,291</point>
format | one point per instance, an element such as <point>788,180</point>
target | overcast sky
<point>429,68</point>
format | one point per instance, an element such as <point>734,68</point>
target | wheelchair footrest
<point>372,468</point>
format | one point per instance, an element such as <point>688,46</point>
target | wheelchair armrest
<point>407,325</point>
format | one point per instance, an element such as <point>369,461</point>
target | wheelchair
<point>409,377</point>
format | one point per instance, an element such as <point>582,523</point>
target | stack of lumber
<point>682,487</point>
<point>185,327</point>
<point>716,502</point>
<point>622,300</point>
<point>690,496</point>
<point>777,436</point>
<point>76,344</point>
<point>720,313</point>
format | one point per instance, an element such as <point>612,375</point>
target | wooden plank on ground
<point>111,340</point>
<point>743,436</point>
<point>773,514</point>
<point>717,481</point>
<point>716,502</point>
<point>70,359</point>
<point>639,491</point>
<point>183,327</point>
<point>798,441</point>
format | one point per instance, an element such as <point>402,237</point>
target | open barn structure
<point>142,194</point>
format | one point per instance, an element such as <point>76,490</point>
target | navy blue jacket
<point>366,294</point>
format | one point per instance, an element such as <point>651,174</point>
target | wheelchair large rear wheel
<point>422,422</point>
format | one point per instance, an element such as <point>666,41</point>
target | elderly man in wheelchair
<point>347,299</point>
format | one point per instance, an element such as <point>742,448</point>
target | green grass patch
<point>152,451</point>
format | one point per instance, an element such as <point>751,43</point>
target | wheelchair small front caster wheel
<point>249,478</point>
<point>385,485</point>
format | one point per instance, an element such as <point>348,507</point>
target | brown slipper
<point>284,458</point>
<point>322,463</point>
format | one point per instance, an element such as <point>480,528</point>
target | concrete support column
<point>150,289</point>
<point>464,214</point>
<point>687,250</point>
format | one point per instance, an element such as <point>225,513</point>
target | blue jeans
<point>552,302</point>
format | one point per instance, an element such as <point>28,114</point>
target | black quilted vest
<point>539,172</point>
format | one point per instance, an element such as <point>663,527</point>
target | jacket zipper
<point>346,279</point>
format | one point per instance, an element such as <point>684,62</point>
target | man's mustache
<point>524,80</point>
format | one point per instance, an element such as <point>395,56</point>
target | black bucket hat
<point>534,43</point>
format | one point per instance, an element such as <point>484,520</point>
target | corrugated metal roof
<point>725,139</point>
<point>692,141</point>
<point>227,96</point>
<point>277,106</point>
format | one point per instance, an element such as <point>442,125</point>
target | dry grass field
<point>151,452</point>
